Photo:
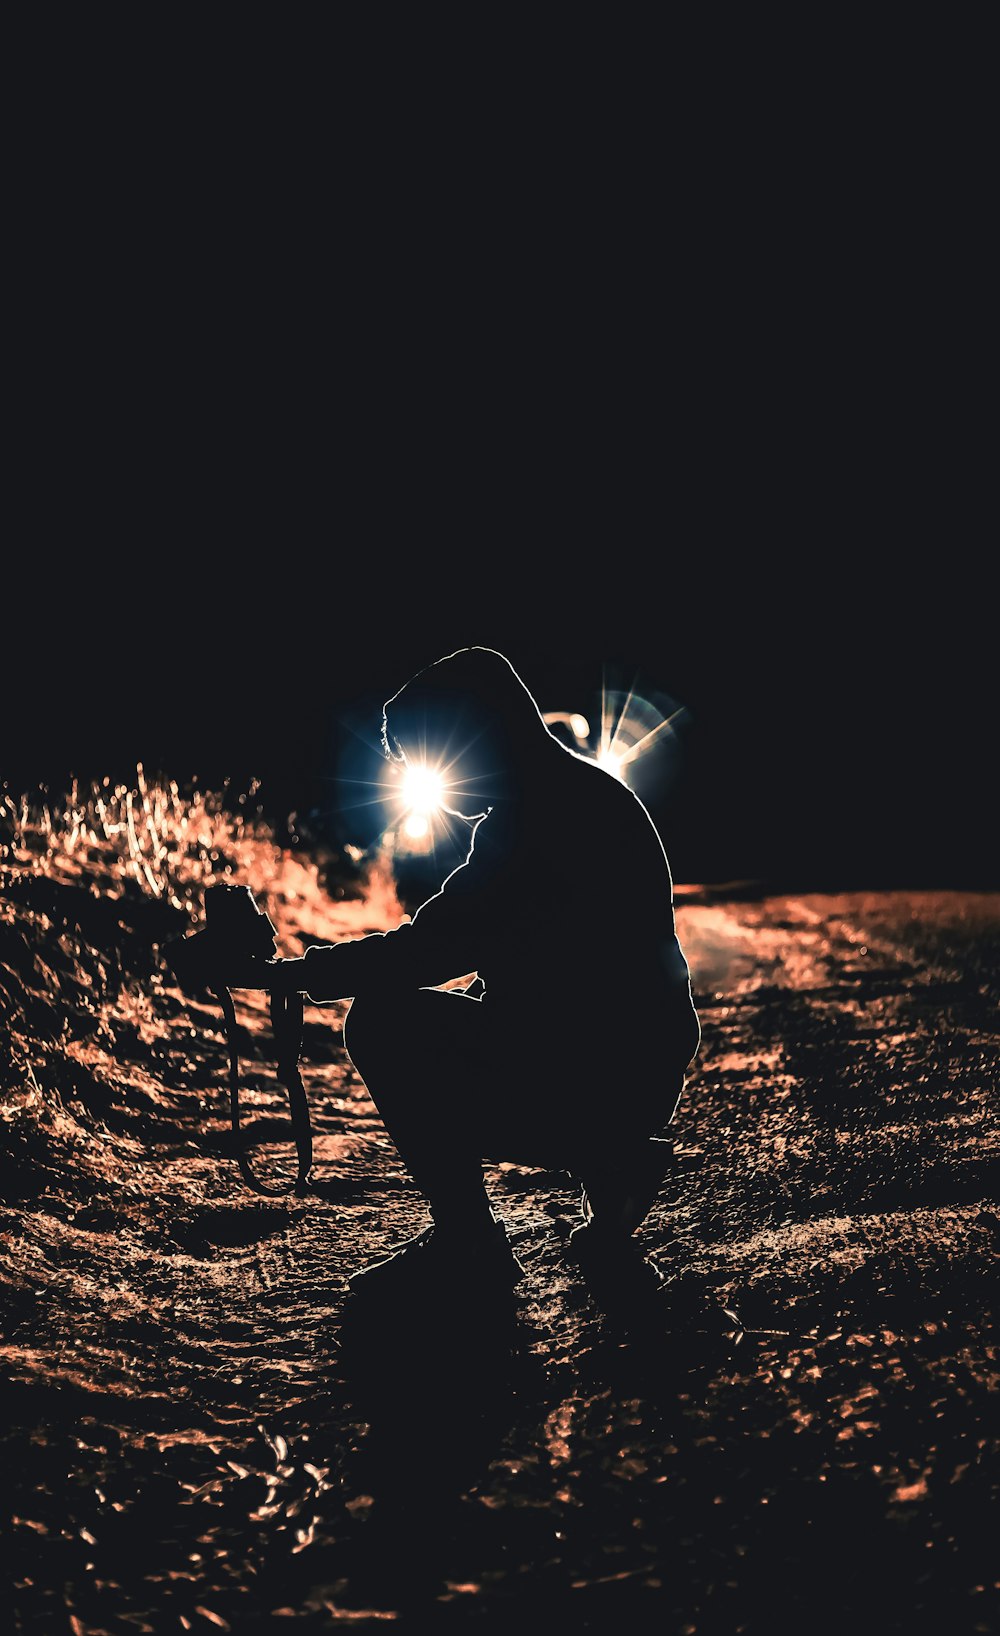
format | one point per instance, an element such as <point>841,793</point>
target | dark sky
<point>836,727</point>
<point>259,477</point>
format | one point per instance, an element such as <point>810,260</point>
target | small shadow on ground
<point>227,1227</point>
<point>440,1383</point>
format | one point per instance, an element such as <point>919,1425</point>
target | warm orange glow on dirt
<point>240,1442</point>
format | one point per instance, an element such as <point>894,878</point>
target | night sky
<point>827,738</point>
<point>743,466</point>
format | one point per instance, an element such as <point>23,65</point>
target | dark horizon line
<point>794,884</point>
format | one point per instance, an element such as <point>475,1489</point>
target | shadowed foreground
<point>800,1431</point>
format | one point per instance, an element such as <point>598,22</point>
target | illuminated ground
<point>196,1439</point>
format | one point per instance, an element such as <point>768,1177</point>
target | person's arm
<point>443,940</point>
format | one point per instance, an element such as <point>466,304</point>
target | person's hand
<point>199,962</point>
<point>248,971</point>
<point>278,975</point>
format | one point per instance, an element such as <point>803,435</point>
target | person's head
<point>469,717</point>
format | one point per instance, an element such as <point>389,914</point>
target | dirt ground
<point>798,1431</point>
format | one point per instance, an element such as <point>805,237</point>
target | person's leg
<point>621,1171</point>
<point>424,1055</point>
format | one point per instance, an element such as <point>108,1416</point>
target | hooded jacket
<point>564,905</point>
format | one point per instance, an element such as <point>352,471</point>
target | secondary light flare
<point>578,725</point>
<point>611,761</point>
<point>631,726</point>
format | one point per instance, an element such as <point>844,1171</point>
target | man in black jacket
<point>574,1056</point>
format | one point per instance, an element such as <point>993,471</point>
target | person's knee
<point>377,1025</point>
<point>364,1028</point>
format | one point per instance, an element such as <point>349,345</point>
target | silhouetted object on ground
<point>564,909</point>
<point>236,928</point>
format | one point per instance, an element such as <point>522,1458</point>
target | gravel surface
<point>798,1429</point>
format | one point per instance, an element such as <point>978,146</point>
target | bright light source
<point>423,790</point>
<point>612,763</point>
<point>416,826</point>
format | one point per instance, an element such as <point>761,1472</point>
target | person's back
<point>579,887</point>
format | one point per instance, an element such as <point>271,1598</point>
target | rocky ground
<point>798,1431</point>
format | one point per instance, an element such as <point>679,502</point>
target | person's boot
<point>618,1194</point>
<point>474,1257</point>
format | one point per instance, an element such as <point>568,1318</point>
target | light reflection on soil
<point>200,1434</point>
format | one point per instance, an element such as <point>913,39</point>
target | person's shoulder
<point>612,802</point>
<point>600,785</point>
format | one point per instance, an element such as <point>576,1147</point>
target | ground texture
<point>798,1431</point>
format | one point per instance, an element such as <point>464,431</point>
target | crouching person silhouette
<point>574,1056</point>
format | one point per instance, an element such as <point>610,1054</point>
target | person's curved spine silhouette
<point>575,1054</point>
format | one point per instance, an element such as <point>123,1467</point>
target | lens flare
<point>416,826</point>
<point>578,725</point>
<point>612,763</point>
<point>631,727</point>
<point>423,791</point>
